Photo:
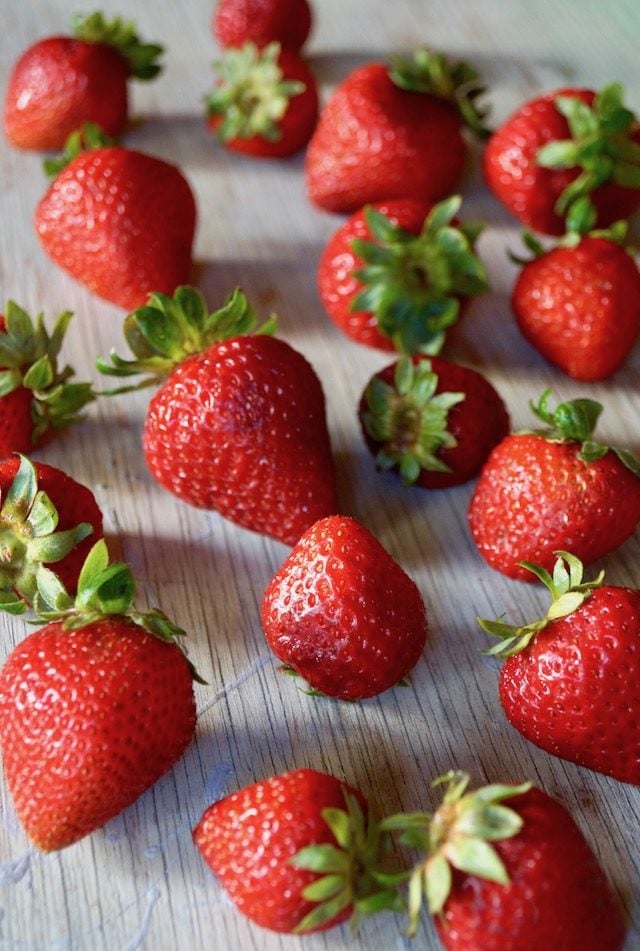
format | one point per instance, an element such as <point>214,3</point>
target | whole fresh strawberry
<point>37,398</point>
<point>287,22</point>
<point>587,710</point>
<point>265,102</point>
<point>393,132</point>
<point>554,488</point>
<point>398,273</point>
<point>432,421</point>
<point>562,146</point>
<point>94,707</point>
<point>61,82</point>
<point>341,613</point>
<point>238,424</point>
<point>119,221</point>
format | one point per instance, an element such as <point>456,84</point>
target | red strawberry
<point>120,222</point>
<point>287,22</point>
<point>560,147</point>
<point>570,680</point>
<point>94,707</point>
<point>265,103</point>
<point>553,489</point>
<point>61,82</point>
<point>238,424</point>
<point>435,422</point>
<point>36,398</point>
<point>393,133</point>
<point>398,273</point>
<point>342,613</point>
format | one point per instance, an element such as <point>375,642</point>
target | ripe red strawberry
<point>552,489</point>
<point>63,81</point>
<point>587,710</point>
<point>119,221</point>
<point>36,398</point>
<point>94,707</point>
<point>265,102</point>
<point>287,22</point>
<point>434,422</point>
<point>238,424</point>
<point>342,613</point>
<point>389,133</point>
<point>562,146</point>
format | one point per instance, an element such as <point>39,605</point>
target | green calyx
<point>251,94</point>
<point>167,330</point>
<point>29,358</point>
<point>434,74</point>
<point>580,223</point>
<point>409,419</point>
<point>89,136</point>
<point>121,34</point>
<point>412,283</point>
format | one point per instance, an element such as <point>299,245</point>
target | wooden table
<point>138,882</point>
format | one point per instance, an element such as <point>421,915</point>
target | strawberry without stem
<point>288,22</point>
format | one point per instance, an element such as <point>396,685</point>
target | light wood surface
<point>139,882</point>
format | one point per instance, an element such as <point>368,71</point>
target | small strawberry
<point>119,221</point>
<point>288,22</point>
<point>554,488</point>
<point>94,707</point>
<point>36,398</point>
<point>238,424</point>
<point>61,82</point>
<point>433,421</point>
<point>265,102</point>
<point>398,273</point>
<point>587,709</point>
<point>396,132</point>
<point>563,146</point>
<point>343,614</point>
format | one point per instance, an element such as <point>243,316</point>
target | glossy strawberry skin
<point>120,222</point>
<point>287,22</point>
<point>89,719</point>
<point>580,307</point>
<point>375,142</point>
<point>248,838</point>
<point>241,428</point>
<point>16,426</point>
<point>535,497</point>
<point>343,614</point>
<point>558,897</point>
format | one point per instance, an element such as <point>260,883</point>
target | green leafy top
<point>141,57</point>
<point>251,94</point>
<point>29,358</point>
<point>89,136</point>
<point>580,223</point>
<point>412,283</point>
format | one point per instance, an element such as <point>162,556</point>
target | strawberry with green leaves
<point>288,22</point>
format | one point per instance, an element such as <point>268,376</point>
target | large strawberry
<point>586,710</point>
<point>94,707</point>
<point>398,273</point>
<point>563,146</point>
<point>265,102</point>
<point>118,220</point>
<point>238,423</point>
<point>61,82</point>
<point>554,488</point>
<point>342,613</point>
<point>288,22</point>
<point>393,132</point>
<point>37,398</point>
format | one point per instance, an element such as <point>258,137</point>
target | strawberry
<point>94,707</point>
<point>434,422</point>
<point>342,613</point>
<point>238,424</point>
<point>37,398</point>
<point>288,22</point>
<point>587,711</point>
<point>554,488</point>
<point>265,103</point>
<point>396,132</point>
<point>63,81</point>
<point>398,273</point>
<point>562,146</point>
<point>119,221</point>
